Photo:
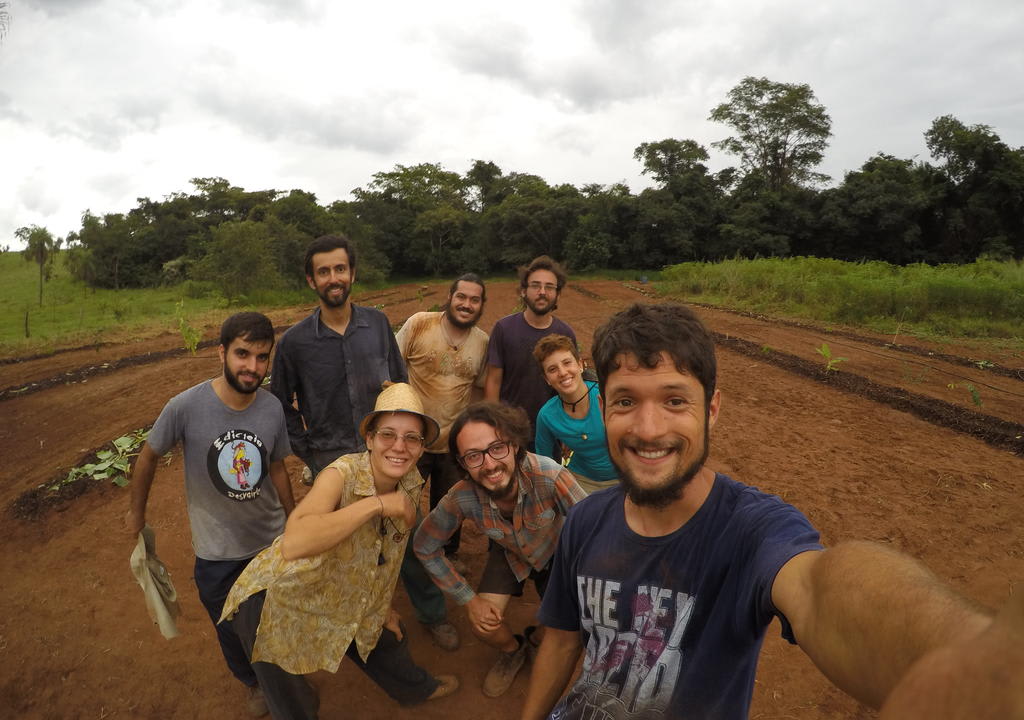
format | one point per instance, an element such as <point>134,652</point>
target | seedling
<point>975,394</point>
<point>830,361</point>
<point>114,465</point>
<point>189,335</point>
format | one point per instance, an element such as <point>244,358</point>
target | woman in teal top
<point>573,416</point>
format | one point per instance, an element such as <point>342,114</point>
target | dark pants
<point>443,474</point>
<point>214,579</point>
<point>426,598</point>
<point>291,697</point>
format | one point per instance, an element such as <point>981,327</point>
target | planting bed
<point>75,641</point>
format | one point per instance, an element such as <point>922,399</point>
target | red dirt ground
<point>75,641</point>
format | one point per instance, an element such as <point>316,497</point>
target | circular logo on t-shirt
<point>237,463</point>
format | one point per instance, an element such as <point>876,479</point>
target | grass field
<point>72,313</point>
<point>984,299</point>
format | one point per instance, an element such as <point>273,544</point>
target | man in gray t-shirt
<point>234,439</point>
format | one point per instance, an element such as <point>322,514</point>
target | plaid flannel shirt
<point>546,492</point>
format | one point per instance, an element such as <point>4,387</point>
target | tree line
<point>410,220</point>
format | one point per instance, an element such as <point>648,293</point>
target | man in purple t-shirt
<point>666,583</point>
<point>513,376</point>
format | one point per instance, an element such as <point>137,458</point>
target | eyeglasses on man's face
<point>387,437</point>
<point>475,458</point>
<point>538,286</point>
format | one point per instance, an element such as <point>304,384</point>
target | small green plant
<point>911,374</point>
<point>975,394</point>
<point>767,349</point>
<point>189,335</point>
<point>983,364</point>
<point>830,361</point>
<point>114,465</point>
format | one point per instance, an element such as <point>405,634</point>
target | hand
<point>981,678</point>
<point>485,616</point>
<point>398,505</point>
<point>393,622</point>
<point>133,523</point>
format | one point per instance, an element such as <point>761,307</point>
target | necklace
<point>448,338</point>
<point>572,405</point>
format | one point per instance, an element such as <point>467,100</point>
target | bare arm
<point>982,678</point>
<point>279,476</point>
<point>318,524</point>
<point>142,481</point>
<point>552,669</point>
<point>865,613</point>
<point>492,383</point>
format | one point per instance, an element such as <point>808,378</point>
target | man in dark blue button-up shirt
<point>332,365</point>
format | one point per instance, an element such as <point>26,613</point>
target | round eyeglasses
<point>475,458</point>
<point>387,436</point>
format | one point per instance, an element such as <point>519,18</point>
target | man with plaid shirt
<point>519,501</point>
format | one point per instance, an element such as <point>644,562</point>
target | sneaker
<point>256,705</point>
<point>533,637</point>
<point>445,635</point>
<point>446,685</point>
<point>500,677</point>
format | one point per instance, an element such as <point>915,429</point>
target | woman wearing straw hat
<point>323,590</point>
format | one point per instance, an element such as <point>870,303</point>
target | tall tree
<point>40,248</point>
<point>781,131</point>
<point>986,206</point>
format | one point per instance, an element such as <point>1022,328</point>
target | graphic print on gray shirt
<point>233,507</point>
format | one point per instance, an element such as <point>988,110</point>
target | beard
<point>551,306</point>
<point>664,495</point>
<point>459,323</point>
<point>498,493</point>
<point>244,387</point>
<point>329,301</point>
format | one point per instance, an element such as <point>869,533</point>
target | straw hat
<point>400,397</point>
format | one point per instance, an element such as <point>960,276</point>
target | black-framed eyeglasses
<point>475,458</point>
<point>388,437</point>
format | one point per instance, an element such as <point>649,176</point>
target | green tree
<point>421,203</point>
<point>40,248</point>
<point>985,209</point>
<point>781,131</point>
<point>239,260</point>
<point>878,213</point>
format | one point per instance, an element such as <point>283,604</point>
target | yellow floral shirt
<point>315,607</point>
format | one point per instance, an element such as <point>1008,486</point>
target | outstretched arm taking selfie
<point>865,614</point>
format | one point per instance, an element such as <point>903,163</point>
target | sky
<point>106,101</point>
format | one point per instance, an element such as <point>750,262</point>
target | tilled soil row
<point>1014,373</point>
<point>994,431</point>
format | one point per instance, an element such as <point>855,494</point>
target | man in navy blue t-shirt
<point>668,581</point>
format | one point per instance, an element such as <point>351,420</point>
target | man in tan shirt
<point>445,354</point>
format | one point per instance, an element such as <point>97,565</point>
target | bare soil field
<point>881,449</point>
